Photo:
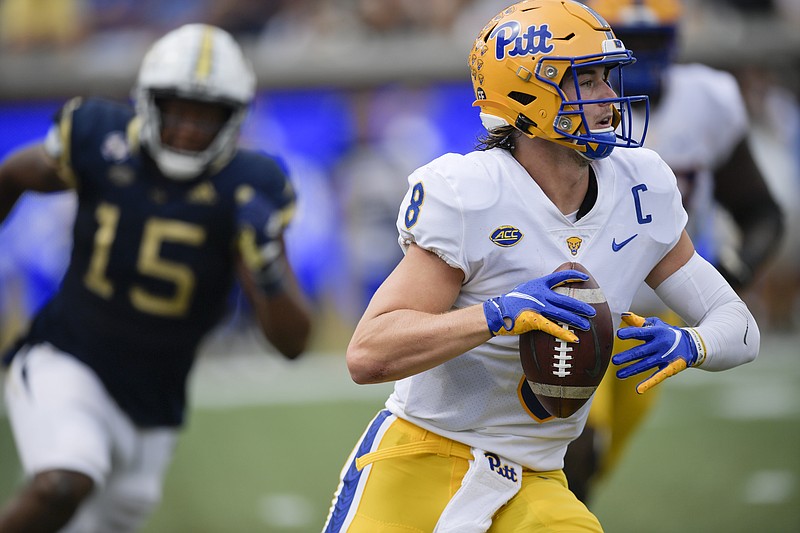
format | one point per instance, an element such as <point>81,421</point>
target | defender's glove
<point>260,226</point>
<point>534,305</point>
<point>668,348</point>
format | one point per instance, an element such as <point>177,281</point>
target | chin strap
<point>598,150</point>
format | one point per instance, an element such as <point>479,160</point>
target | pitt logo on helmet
<point>536,39</point>
<point>506,236</point>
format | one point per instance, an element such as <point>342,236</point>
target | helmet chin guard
<point>602,147</point>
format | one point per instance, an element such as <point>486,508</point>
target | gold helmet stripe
<point>203,68</point>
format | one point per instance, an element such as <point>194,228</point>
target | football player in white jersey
<point>462,444</point>
<point>698,124</point>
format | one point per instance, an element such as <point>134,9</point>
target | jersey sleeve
<point>58,143</point>
<point>281,190</point>
<point>269,177</point>
<point>431,216</point>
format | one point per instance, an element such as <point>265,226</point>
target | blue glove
<point>260,225</point>
<point>534,305</point>
<point>667,348</point>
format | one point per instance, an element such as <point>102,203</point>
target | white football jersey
<point>483,213</point>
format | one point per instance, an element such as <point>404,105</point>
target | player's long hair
<point>504,137</point>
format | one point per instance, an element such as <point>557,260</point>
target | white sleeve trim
<point>701,297</point>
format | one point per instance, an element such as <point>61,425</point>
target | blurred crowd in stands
<point>45,23</point>
<point>350,150</point>
<point>36,24</point>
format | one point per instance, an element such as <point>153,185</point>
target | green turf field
<point>267,438</point>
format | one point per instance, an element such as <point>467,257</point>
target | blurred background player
<point>170,212</point>
<point>699,126</point>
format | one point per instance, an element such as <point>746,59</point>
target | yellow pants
<point>407,476</point>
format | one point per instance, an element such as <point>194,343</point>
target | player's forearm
<point>702,297</point>
<point>286,323</point>
<point>283,315</point>
<point>405,342</point>
<point>10,191</point>
<point>28,168</point>
<point>731,336</point>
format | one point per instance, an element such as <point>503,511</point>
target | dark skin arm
<point>284,317</point>
<point>740,187</point>
<point>27,169</point>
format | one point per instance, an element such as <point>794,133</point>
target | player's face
<point>190,125</point>
<point>593,84</point>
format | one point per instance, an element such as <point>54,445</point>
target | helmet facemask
<point>571,122</point>
<point>183,164</point>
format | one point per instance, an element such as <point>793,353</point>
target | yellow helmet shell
<point>521,56</point>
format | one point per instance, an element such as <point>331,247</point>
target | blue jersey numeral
<point>417,197</point>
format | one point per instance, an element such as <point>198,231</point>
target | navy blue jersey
<point>152,263</point>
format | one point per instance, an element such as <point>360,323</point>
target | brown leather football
<point>564,375</point>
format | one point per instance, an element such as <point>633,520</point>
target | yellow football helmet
<point>520,59</point>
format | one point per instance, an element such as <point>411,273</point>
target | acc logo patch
<point>574,244</point>
<point>506,236</point>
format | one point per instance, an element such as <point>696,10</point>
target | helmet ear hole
<point>522,98</point>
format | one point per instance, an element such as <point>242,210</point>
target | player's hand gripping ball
<point>564,375</point>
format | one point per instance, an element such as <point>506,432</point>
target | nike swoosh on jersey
<point>618,246</point>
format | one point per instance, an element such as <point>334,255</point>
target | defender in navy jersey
<point>170,212</point>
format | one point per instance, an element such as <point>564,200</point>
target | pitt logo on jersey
<point>574,244</point>
<point>506,236</point>
<point>535,40</point>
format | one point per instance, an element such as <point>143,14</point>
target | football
<point>564,375</point>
